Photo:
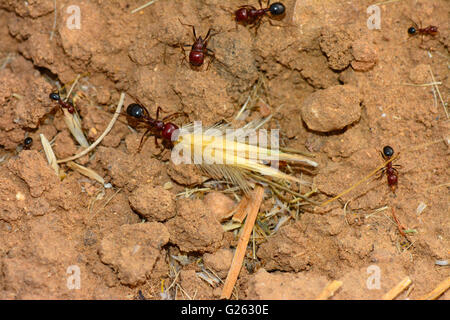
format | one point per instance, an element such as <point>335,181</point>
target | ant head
<point>412,30</point>
<point>277,8</point>
<point>135,110</point>
<point>388,151</point>
<point>54,96</point>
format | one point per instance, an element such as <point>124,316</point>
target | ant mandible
<point>158,128</point>
<point>199,49</point>
<point>249,15</point>
<point>391,172</point>
<point>63,104</point>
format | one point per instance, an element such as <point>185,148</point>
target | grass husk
<point>107,130</point>
<point>49,154</point>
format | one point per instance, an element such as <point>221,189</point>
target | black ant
<point>63,104</point>
<point>391,172</point>
<point>27,142</point>
<point>199,49</point>
<point>249,15</point>
<point>158,128</point>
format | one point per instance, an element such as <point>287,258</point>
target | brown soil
<point>334,88</point>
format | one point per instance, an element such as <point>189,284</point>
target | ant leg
<point>208,34</point>
<point>189,25</point>
<point>213,58</point>
<point>156,142</point>
<point>257,25</point>
<point>195,36</point>
<point>157,112</point>
<point>184,52</point>
<point>142,140</point>
<point>381,173</point>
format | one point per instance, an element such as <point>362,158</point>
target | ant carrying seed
<point>391,172</point>
<point>249,15</point>
<point>199,48</point>
<point>63,104</point>
<point>159,128</point>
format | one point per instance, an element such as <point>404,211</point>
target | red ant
<point>199,48</point>
<point>64,104</point>
<point>391,172</point>
<point>158,128</point>
<point>430,30</point>
<point>250,15</point>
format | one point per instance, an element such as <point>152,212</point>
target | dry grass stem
<point>143,6</point>
<point>439,92</point>
<point>360,181</point>
<point>86,172</point>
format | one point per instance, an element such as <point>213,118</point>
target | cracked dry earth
<point>334,88</point>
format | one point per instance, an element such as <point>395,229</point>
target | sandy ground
<point>334,88</point>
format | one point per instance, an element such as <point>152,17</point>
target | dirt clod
<point>132,250</point>
<point>194,228</point>
<point>219,261</point>
<point>219,204</point>
<point>153,203</point>
<point>332,109</point>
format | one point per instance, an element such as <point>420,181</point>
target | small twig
<point>436,293</point>
<point>329,290</point>
<point>92,146</point>
<point>239,255</point>
<point>399,288</point>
